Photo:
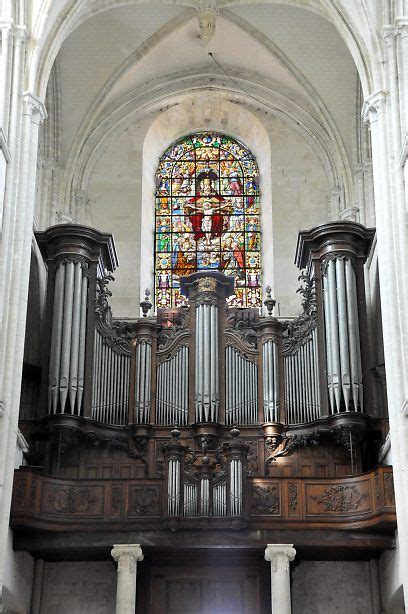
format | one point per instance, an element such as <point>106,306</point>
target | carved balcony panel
<point>47,503</point>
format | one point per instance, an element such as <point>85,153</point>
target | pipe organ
<point>207,397</point>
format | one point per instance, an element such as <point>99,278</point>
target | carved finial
<point>269,302</point>
<point>175,433</point>
<point>235,432</point>
<point>146,304</point>
<point>207,16</point>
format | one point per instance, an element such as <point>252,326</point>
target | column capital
<point>127,555</point>
<point>373,106</point>
<point>34,107</point>
<point>388,35</point>
<point>285,552</point>
<point>401,26</point>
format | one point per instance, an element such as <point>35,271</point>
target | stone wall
<point>332,587</point>
<point>80,588</point>
<point>297,191</point>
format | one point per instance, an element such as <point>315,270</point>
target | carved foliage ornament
<point>284,445</point>
<point>342,498</point>
<point>71,500</point>
<point>116,334</point>
<point>296,332</point>
<point>265,499</point>
<point>144,501</point>
<point>292,497</point>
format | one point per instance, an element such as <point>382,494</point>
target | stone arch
<point>192,116</point>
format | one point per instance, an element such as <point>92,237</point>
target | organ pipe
<point>343,341</point>
<point>302,397</point>
<point>110,383</point>
<point>270,373</point>
<point>172,389</point>
<point>142,399</point>
<point>206,375</point>
<point>241,388</point>
<point>68,338</point>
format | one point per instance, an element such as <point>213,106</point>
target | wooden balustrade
<point>48,503</point>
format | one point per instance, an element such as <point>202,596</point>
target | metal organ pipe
<point>110,385</point>
<point>143,382</point>
<point>236,487</point>
<point>302,397</point>
<point>172,389</point>
<point>241,391</point>
<point>206,375</point>
<point>354,336</point>
<point>343,332</point>
<point>270,381</point>
<point>67,356</point>
<point>342,336</point>
<point>173,487</point>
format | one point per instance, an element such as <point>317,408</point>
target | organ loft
<point>208,445</point>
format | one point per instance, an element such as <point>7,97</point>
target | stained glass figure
<point>207,217</point>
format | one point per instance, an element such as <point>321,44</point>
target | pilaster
<point>381,111</point>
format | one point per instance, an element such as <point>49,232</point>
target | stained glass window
<point>207,217</point>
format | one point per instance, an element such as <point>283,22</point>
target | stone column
<point>279,556</point>
<point>127,556</point>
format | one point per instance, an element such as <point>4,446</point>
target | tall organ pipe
<point>342,338</point>
<point>68,337</point>
<point>206,375</point>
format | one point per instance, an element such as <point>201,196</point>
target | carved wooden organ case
<point>204,415</point>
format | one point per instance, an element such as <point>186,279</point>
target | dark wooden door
<point>189,587</point>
